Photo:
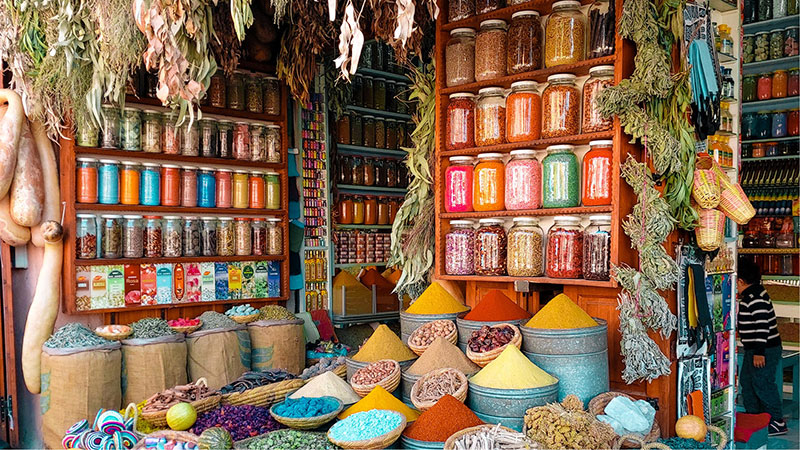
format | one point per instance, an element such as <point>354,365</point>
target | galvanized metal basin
<point>407,381</point>
<point>406,442</point>
<point>410,322</point>
<point>508,406</point>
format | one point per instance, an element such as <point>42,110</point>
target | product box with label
<point>147,275</point>
<point>99,287</point>
<point>221,281</point>
<point>273,279</point>
<point>163,283</point>
<point>133,285</point>
<point>116,286</point>
<point>207,282</point>
<point>83,288</point>
<point>178,283</point>
<point>248,280</point>
<point>234,281</point>
<point>193,283</point>
<point>261,288</point>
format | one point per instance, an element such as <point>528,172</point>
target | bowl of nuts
<point>423,337</point>
<point>487,343</point>
<point>385,373</point>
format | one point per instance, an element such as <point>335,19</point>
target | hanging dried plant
<point>226,47</point>
<point>351,40</point>
<point>404,27</point>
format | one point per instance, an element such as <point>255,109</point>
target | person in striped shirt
<point>758,331</point>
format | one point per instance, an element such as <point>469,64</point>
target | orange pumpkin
<point>691,427</point>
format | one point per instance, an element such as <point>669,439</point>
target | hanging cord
<point>643,237</point>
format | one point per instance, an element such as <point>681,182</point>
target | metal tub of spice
<point>466,327</point>
<point>407,442</point>
<point>578,357</point>
<point>508,406</point>
<point>406,383</point>
<point>410,322</point>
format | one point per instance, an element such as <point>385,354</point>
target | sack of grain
<point>220,355</point>
<point>152,365</point>
<point>277,344</point>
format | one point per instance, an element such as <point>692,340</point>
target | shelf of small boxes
<point>254,270</point>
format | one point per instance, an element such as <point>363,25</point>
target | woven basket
<point>341,371</point>
<point>452,337</point>
<point>132,412</point>
<point>450,443</point>
<point>266,395</point>
<point>723,440</point>
<point>159,419</point>
<point>245,319</point>
<point>183,436</point>
<point>732,201</point>
<point>705,188</point>
<point>382,441</point>
<point>244,444</point>
<point>188,328</point>
<point>598,405</point>
<point>307,423</point>
<point>389,383</point>
<point>460,394</point>
<point>114,336</point>
<point>710,230</point>
<point>482,359</point>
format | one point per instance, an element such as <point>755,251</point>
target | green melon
<point>215,438</point>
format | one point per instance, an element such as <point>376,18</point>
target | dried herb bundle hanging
<point>227,48</point>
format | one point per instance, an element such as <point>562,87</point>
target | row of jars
<point>523,251</point>
<point>112,182</point>
<point>355,246</point>
<point>770,124</point>
<point>133,236</point>
<point>761,10</point>
<point>778,84</point>
<point>762,149</point>
<point>497,50</point>
<point>374,132</point>
<point>767,45</point>
<point>524,183</point>
<point>524,114</point>
<point>151,131</point>
<point>366,171</point>
<point>367,210</point>
<point>379,56</point>
<point>380,93</point>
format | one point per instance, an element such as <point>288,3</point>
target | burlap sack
<point>277,344</point>
<point>76,383</point>
<point>220,355</point>
<point>152,365</point>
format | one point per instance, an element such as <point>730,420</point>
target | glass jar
<point>259,231</point>
<point>749,90</point>
<point>129,180</point>
<point>561,179</point>
<point>130,129</point>
<point>394,206</point>
<point>189,186</point>
<point>750,13</point>
<point>172,245</point>
<point>460,125</point>
<point>254,97</point>
<point>600,77</point>
<point>225,139</point>
<point>133,240</point>
<point>780,80</point>
<point>112,236</point>
<point>776,44</point>
<point>241,197</point>
<point>490,117</point>
<point>272,96</point>
<point>565,34</point>
<point>356,130</point>
<point>244,244</point>
<point>108,182</point>
<point>459,249</point>
<point>369,131</point>
<point>486,6</point>
<point>208,138</point>
<point>793,83</point>
<point>602,23</point>
<point>763,124</point>
<point>488,186</point>
<point>792,7</point>
<point>779,8</point>
<point>378,56</point>
<point>383,211</point>
<point>380,133</point>
<point>257,190</point>
<point>762,46</point>
<point>368,92</point>
<point>153,242</point>
<point>779,124</point>
<point>224,188</point>
<point>490,248</point>
<point>344,170</point>
<point>272,142</point>
<point>190,138</point>
<point>759,150</point>
<point>523,183</point>
<point>207,188</point>
<point>110,129</point>
<point>241,141</point>
<point>523,112</point>
<point>274,236</point>
<point>525,248</point>
<point>403,141</point>
<point>370,210</point>
<point>273,189</point>
<point>490,50</point>
<point>565,248</point>
<point>226,237</point>
<point>86,180</point>
<point>345,207</point>
<point>150,189</point>
<point>379,93</point>
<point>236,91</point>
<point>392,172</point>
<point>191,237</point>
<point>171,135</point>
<point>358,174</point>
<point>343,129</point>
<point>209,236</point>
<point>170,185</point>
<point>151,131</point>
<point>460,9</point>
<point>459,57</point>
<point>391,134</point>
<point>597,174</point>
<point>792,127</point>
<point>764,10</point>
<point>524,52</point>
<point>368,167</point>
<point>748,48</point>
<point>391,96</point>
<point>358,210</point>
<point>597,249</point>
<point>258,150</point>
<point>357,87</point>
<point>561,106</point>
<point>216,90</point>
<point>790,43</point>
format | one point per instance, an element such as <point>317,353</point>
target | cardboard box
<point>83,288</point>
<point>164,283</point>
<point>99,287</point>
<point>133,285</point>
<point>178,283</point>
<point>221,281</point>
<point>193,283</point>
<point>273,279</point>
<point>248,280</point>
<point>116,286</point>
<point>207,282</point>
<point>261,286</point>
<point>234,281</point>
<point>147,275</point>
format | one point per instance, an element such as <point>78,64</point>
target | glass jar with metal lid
<point>133,240</point>
<point>208,138</point>
<point>236,91</point>
<point>191,236</point>
<point>274,236</point>
<point>490,248</point>
<point>488,186</point>
<point>369,131</point>
<point>273,189</point>
<point>244,243</point>
<point>259,231</point>
<point>209,236</point>
<point>565,248</point>
<point>226,237</point>
<point>379,87</point>
<point>460,124</point>
<point>254,96</point>
<point>172,235</point>
<point>87,134</point>
<point>597,249</point>
<point>356,130</point>
<point>110,128</point>
<point>258,149</point>
<point>153,241</point>
<point>565,34</point>
<point>525,248</point>
<point>272,142</point>
<point>490,50</point>
<point>391,134</point>
<point>112,236</point>
<point>460,57</point>
<point>561,177</point>
<point>597,173</point>
<point>460,10</point>
<point>151,131</point>
<point>171,135</point>
<point>487,6</point>
<point>190,138</point>
<point>272,96</point>
<point>458,184</point>
<point>241,141</point>
<point>130,129</point>
<point>216,90</point>
<point>524,52</point>
<point>490,117</point>
<point>561,106</point>
<point>459,253</point>
<point>150,185</point>
<point>225,139</point>
<point>523,112</point>
<point>368,91</point>
<point>523,181</point>
<point>600,77</point>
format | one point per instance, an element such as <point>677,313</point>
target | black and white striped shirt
<point>758,327</point>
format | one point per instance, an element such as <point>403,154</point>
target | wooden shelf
<point>535,280</point>
<point>180,259</point>
<point>224,112</point>
<point>351,265</point>
<point>361,227</point>
<point>383,74</point>
<point>361,150</point>
<point>179,210</point>
<point>269,300</point>
<point>769,251</point>
<point>578,69</point>
<point>542,6</point>
<point>379,112</point>
<point>581,210</point>
<point>579,139</point>
<point>191,160</point>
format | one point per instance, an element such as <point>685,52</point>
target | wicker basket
<point>733,201</point>
<point>419,349</point>
<point>460,394</point>
<point>187,329</point>
<point>482,359</point>
<point>382,441</point>
<point>182,436</point>
<point>308,423</point>
<point>598,405</point>
<point>723,440</point>
<point>705,188</point>
<point>710,231</point>
<point>341,371</point>
<point>450,443</point>
<point>244,444</point>
<point>245,319</point>
<point>114,336</point>
<point>266,395</point>
<point>389,383</point>
<point>159,419</point>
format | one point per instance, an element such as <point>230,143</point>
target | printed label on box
<point>221,280</point>
<point>83,288</point>
<point>163,283</point>
<point>261,289</point>
<point>193,284</point>
<point>116,286</point>
<point>248,280</point>
<point>274,279</point>
<point>178,286</point>
<point>99,287</point>
<point>209,288</point>
<point>147,274</point>
<point>234,281</point>
<point>133,285</point>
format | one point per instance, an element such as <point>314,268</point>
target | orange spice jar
<point>257,193</point>
<point>345,210</point>
<point>488,183</point>
<point>370,211</point>
<point>523,112</point>
<point>129,183</point>
<point>170,185</point>
<point>86,189</point>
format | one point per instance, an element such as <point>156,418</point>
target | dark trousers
<point>759,391</point>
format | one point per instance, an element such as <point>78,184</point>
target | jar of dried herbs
<point>272,143</point>
<point>597,248</point>
<point>460,57</point>
<point>524,51</point>
<point>86,236</point>
<point>172,232</point>
<point>112,236</point>
<point>88,134</point>
<point>191,236</point>
<point>490,50</point>
<point>130,129</point>
<point>209,236</point>
<point>486,6</point>
<point>208,138</point>
<point>272,96</point>
<point>236,91</point>
<point>133,236</point>
<point>525,248</point>
<point>226,237</point>
<point>151,131</point>
<point>565,34</point>
<point>243,237</point>
<point>153,241</point>
<point>258,149</point>
<point>110,129</point>
<point>274,236</point>
<point>170,135</point>
<point>216,90</point>
<point>190,138</point>
<point>254,96</point>
<point>490,248</point>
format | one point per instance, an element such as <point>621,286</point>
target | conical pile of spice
<point>512,370</point>
<point>393,275</point>
<point>561,313</point>
<point>446,417</point>
<point>378,398</point>
<point>373,278</point>
<point>496,307</point>
<point>328,384</point>
<point>383,344</point>
<point>440,355</point>
<point>436,300</point>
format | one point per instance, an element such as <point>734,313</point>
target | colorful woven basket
<point>705,188</point>
<point>710,231</point>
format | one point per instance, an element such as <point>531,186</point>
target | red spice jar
<point>458,184</point>
<point>224,188</point>
<point>523,112</point>
<point>565,248</point>
<point>561,106</point>
<point>764,87</point>
<point>257,192</point>
<point>86,189</point>
<point>189,186</point>
<point>792,122</point>
<point>170,185</point>
<point>597,174</point>
<point>460,123</point>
